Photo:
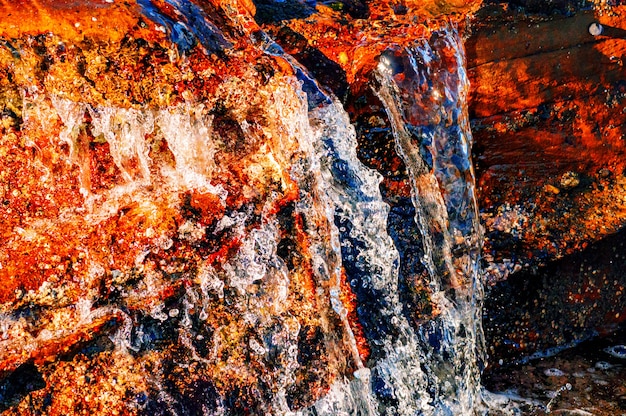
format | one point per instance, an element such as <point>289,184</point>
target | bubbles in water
<point>603,365</point>
<point>618,351</point>
<point>429,122</point>
<point>553,372</point>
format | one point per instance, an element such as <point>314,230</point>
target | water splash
<point>410,376</point>
<point>190,26</point>
<point>125,131</point>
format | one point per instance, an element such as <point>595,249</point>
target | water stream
<point>303,140</point>
<point>424,89</point>
<point>436,368</point>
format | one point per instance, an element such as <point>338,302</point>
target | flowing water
<point>431,369</point>
<point>424,89</point>
<point>435,369</point>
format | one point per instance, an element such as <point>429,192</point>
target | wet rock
<point>23,380</point>
<point>129,188</point>
<point>161,181</point>
<point>162,188</point>
<point>544,102</point>
<point>558,305</point>
<point>548,158</point>
<point>569,180</point>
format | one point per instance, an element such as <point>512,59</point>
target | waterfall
<point>412,373</point>
<point>434,368</point>
<point>247,246</point>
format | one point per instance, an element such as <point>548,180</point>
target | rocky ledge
<point>165,175</point>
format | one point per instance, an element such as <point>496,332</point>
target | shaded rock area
<point>585,380</point>
<point>569,300</point>
<point>548,108</point>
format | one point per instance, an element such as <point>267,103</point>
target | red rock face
<point>165,235</point>
<point>140,170</point>
<point>548,124</point>
<point>548,106</point>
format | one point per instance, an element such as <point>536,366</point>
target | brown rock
<point>161,225</point>
<point>130,187</point>
<point>548,109</point>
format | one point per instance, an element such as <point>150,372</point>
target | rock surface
<point>163,173</point>
<point>143,168</point>
<point>548,119</point>
<point>548,104</point>
<point>164,234</point>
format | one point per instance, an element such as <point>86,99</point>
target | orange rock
<point>128,179</point>
<point>547,100</point>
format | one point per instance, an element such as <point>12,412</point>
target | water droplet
<point>595,29</point>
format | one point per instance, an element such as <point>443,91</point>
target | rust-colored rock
<point>548,104</point>
<point>164,231</point>
<point>113,213</point>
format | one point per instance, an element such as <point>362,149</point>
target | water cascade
<point>424,89</point>
<point>232,254</point>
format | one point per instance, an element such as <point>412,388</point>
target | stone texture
<point>108,248</point>
<point>103,236</point>
<point>548,107</point>
<point>547,104</point>
<point>138,264</point>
